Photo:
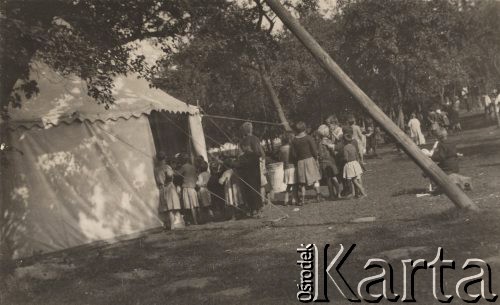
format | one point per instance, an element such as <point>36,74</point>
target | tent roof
<point>65,99</point>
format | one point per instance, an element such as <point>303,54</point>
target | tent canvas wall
<point>78,173</point>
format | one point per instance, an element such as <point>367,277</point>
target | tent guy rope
<point>285,215</point>
<point>242,120</point>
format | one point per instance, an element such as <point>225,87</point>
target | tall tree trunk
<point>441,95</point>
<point>266,80</point>
<point>401,117</point>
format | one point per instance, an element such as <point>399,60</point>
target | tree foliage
<point>95,39</point>
<point>221,67</point>
<point>481,53</point>
<point>405,54</point>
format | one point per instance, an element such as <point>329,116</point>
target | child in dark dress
<point>305,151</point>
<point>327,163</point>
<point>215,188</point>
<point>445,154</point>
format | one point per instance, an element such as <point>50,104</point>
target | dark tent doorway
<point>171,132</point>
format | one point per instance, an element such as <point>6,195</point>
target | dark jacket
<point>304,148</point>
<point>446,157</point>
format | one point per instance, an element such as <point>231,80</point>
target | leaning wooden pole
<point>456,195</point>
<point>266,80</point>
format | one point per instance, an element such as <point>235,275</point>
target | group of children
<point>334,155</point>
<point>183,187</point>
<point>197,191</point>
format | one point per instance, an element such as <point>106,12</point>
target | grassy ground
<point>254,261</point>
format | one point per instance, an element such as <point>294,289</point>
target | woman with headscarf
<point>248,171</point>
<point>251,141</point>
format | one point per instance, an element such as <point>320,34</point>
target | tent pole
<point>456,195</point>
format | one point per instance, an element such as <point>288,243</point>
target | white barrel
<point>275,174</point>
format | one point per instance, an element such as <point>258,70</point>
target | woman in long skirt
<point>415,131</point>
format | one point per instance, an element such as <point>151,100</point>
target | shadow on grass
<point>476,121</point>
<point>489,164</point>
<point>483,149</point>
<point>409,191</point>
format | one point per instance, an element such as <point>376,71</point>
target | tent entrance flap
<point>170,132</point>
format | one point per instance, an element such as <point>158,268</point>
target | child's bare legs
<point>353,188</point>
<point>263,195</point>
<point>295,193</point>
<point>209,212</point>
<point>318,191</point>
<point>194,213</point>
<point>359,186</point>
<point>303,194</point>
<point>333,187</point>
<point>293,190</point>
<point>346,187</point>
<point>233,212</point>
<point>336,187</point>
<point>287,193</point>
<point>331,191</point>
<point>171,217</point>
<point>349,190</point>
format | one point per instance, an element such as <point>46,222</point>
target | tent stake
<point>456,195</point>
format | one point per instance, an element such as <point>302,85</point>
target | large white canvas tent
<point>78,173</point>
